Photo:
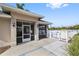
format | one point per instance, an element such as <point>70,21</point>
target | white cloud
<point>64,5</point>
<point>57,5</point>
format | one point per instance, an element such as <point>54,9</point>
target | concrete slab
<point>58,48</point>
<point>44,47</point>
<point>40,52</point>
<point>26,47</point>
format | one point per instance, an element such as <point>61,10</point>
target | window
<point>19,24</point>
<point>26,30</point>
<point>42,30</point>
<point>26,36</point>
<point>19,32</point>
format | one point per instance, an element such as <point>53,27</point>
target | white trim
<point>36,31</point>
<point>47,30</point>
<point>5,15</point>
<point>13,32</point>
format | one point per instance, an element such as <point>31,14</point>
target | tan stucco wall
<point>5,29</point>
<point>23,17</point>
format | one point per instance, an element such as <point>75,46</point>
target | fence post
<point>50,33</point>
<point>66,36</point>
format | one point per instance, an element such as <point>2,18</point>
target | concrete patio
<point>57,48</point>
<point>44,47</point>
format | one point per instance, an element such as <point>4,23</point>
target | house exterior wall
<point>5,33</point>
<point>8,27</point>
<point>18,17</point>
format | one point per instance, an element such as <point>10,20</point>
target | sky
<point>60,14</point>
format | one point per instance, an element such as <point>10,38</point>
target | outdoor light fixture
<point>13,24</point>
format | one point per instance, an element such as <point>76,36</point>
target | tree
<point>20,5</point>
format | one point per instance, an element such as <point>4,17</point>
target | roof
<point>4,15</point>
<point>44,22</point>
<point>29,13</point>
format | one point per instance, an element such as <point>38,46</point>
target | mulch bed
<point>3,49</point>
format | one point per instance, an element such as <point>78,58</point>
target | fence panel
<point>62,34</point>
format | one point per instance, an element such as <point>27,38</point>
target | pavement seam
<point>50,51</point>
<point>30,51</point>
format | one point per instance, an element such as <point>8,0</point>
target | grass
<point>73,47</point>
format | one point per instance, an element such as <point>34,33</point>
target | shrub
<point>73,47</point>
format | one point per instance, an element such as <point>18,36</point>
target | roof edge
<point>22,11</point>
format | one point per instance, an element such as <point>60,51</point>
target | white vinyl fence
<point>64,35</point>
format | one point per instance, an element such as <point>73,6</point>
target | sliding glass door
<point>23,32</point>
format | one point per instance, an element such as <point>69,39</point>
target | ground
<point>56,48</point>
<point>44,47</point>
